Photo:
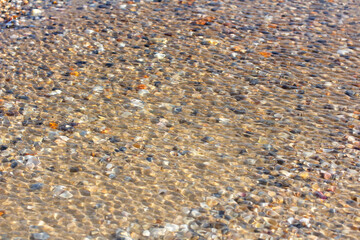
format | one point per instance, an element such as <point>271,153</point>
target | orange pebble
<point>265,54</point>
<point>141,86</point>
<point>106,130</point>
<point>237,48</point>
<point>272,25</point>
<point>75,74</point>
<point>53,125</point>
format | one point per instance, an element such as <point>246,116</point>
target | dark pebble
<point>36,186</point>
<point>177,110</point>
<point>229,189</point>
<point>14,165</point>
<point>157,84</point>
<point>66,127</point>
<point>121,149</point>
<point>350,93</point>
<point>38,122</point>
<point>39,236</point>
<point>194,112</point>
<point>218,195</point>
<point>320,195</point>
<point>351,203</point>
<point>184,152</point>
<point>22,97</point>
<point>321,41</point>
<point>240,97</point>
<point>85,192</point>
<point>104,6</point>
<point>295,131</point>
<point>263,181</point>
<point>52,168</point>
<point>149,159</point>
<point>220,225</point>
<point>288,86</point>
<point>272,153</point>
<point>297,225</point>
<point>109,65</point>
<point>207,139</point>
<point>74,169</point>
<point>184,121</point>
<point>253,82</point>
<point>238,111</point>
<point>329,106</point>
<point>320,86</point>
<point>3,147</point>
<point>332,210</point>
<point>280,161</point>
<point>80,63</point>
<point>300,107</point>
<point>225,231</point>
<point>242,151</point>
<point>114,139</point>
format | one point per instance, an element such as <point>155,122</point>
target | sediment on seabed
<point>179,119</point>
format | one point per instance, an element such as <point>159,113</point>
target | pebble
<point>157,232</point>
<point>66,194</point>
<point>201,119</point>
<point>39,236</point>
<point>36,186</point>
<point>171,227</point>
<point>146,233</point>
<point>36,12</point>
<point>160,56</point>
<point>122,234</point>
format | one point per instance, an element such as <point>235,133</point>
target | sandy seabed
<point>179,120</point>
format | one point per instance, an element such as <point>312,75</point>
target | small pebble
<point>36,12</point>
<point>36,186</point>
<point>39,236</point>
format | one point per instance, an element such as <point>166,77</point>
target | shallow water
<point>181,120</point>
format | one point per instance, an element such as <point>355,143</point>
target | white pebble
<point>157,232</point>
<point>328,84</point>
<point>343,51</point>
<point>195,213</point>
<point>160,55</point>
<point>143,92</point>
<point>98,89</point>
<point>137,103</point>
<point>146,233</point>
<point>89,31</point>
<point>306,221</point>
<point>291,220</point>
<point>308,154</point>
<point>36,12</point>
<point>126,114</point>
<point>184,227</point>
<point>171,227</point>
<point>185,210</point>
<point>66,194</point>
